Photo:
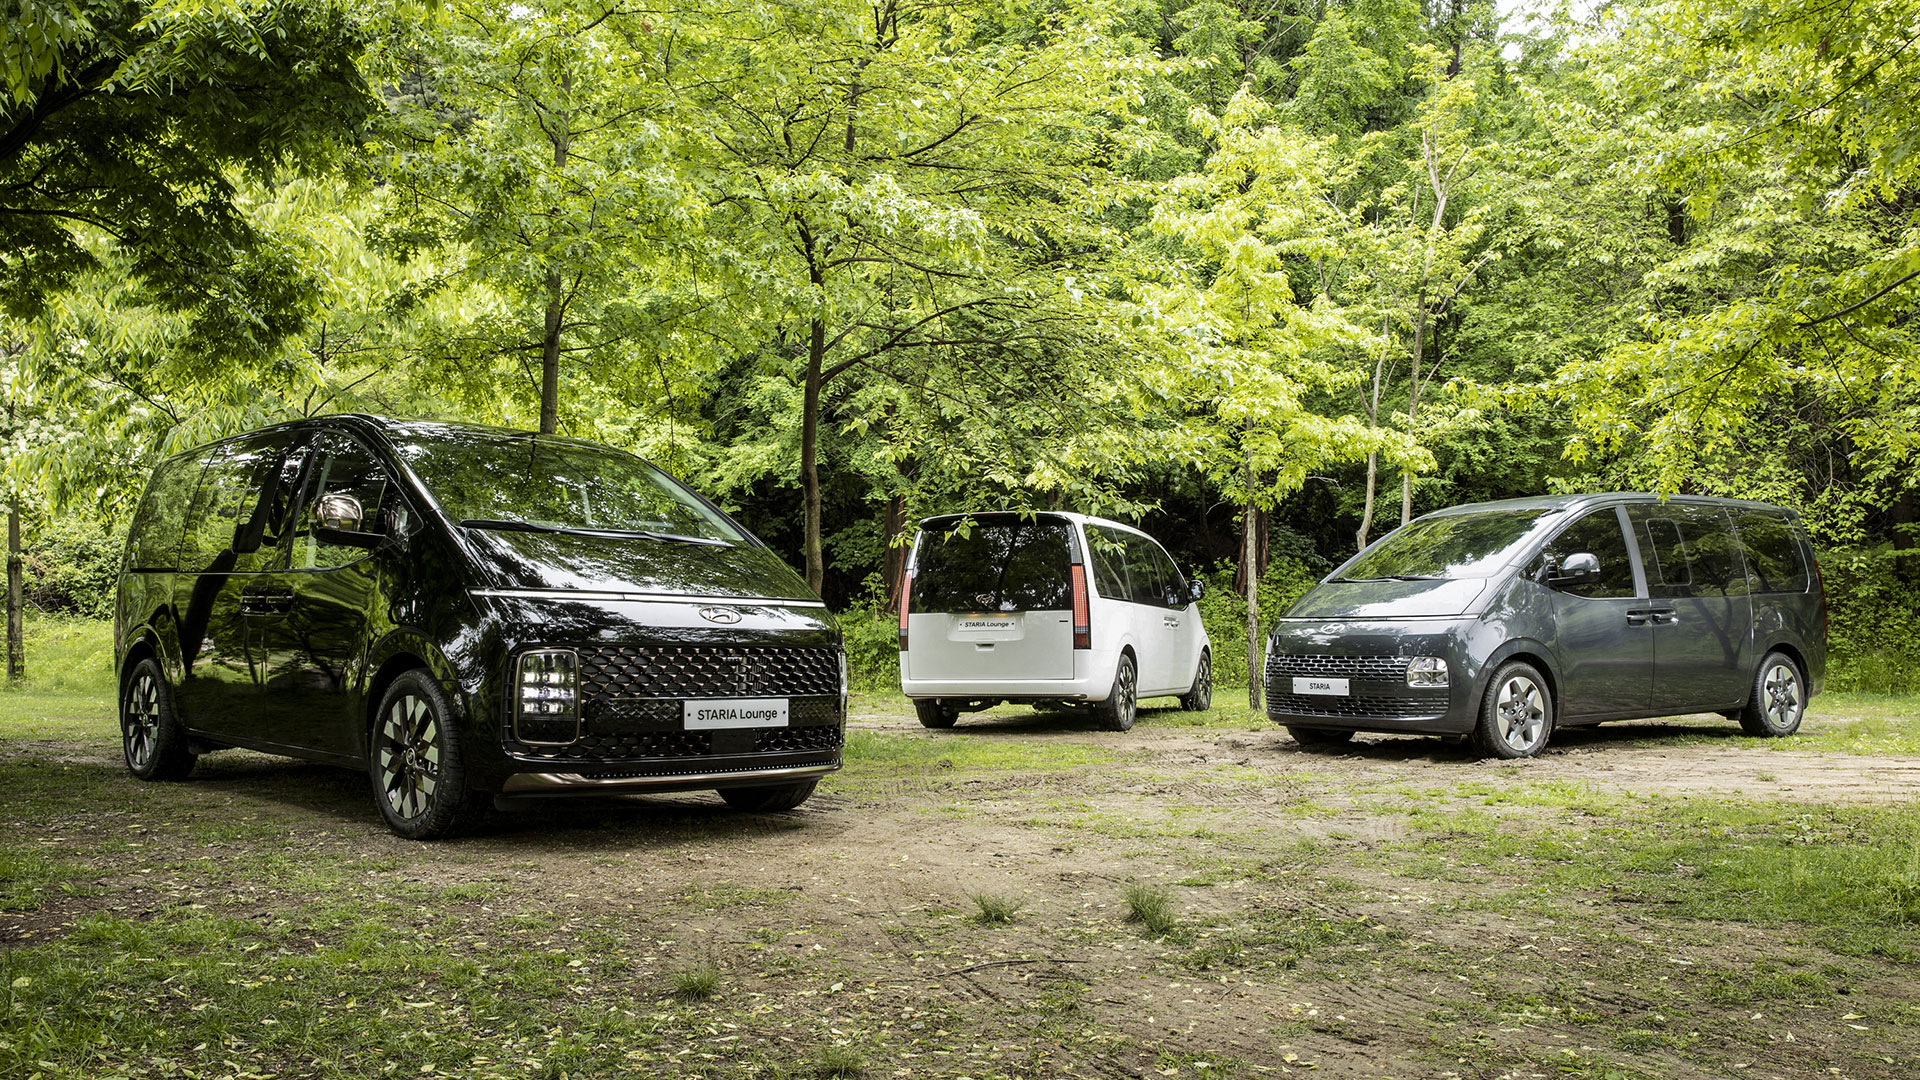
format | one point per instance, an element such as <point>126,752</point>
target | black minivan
<point>471,615</point>
<point>1505,620</point>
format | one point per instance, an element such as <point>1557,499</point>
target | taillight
<point>906,590</point>
<point>1082,630</point>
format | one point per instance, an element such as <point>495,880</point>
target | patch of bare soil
<point>1302,943</point>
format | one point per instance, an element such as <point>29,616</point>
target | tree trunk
<point>550,359</point>
<point>810,452</point>
<point>16,598</point>
<point>1250,558</point>
<point>893,558</point>
<point>1373,456</point>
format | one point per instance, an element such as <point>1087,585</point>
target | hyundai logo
<point>720,615</point>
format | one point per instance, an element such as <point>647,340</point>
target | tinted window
<point>228,519</point>
<point>1449,546</point>
<point>1145,574</point>
<point>1597,534</point>
<point>1108,552</point>
<point>1689,551</point>
<point>496,477</point>
<point>342,465</point>
<point>1775,561</point>
<point>996,566</point>
<point>154,541</point>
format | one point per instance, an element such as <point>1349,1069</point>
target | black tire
<point>1320,736</point>
<point>1778,700</point>
<point>152,739</point>
<point>415,763</point>
<point>1199,697</point>
<point>769,799</point>
<point>935,714</point>
<point>1123,703</point>
<point>1516,716</point>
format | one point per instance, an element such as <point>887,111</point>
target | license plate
<point>1330,687</point>
<point>985,622</point>
<point>735,713</point>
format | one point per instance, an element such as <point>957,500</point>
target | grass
<point>995,910</point>
<point>68,692</point>
<point>696,982</point>
<point>1151,906</point>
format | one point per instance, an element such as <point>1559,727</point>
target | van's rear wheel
<point>1516,717</point>
<point>1778,701</point>
<point>1117,712</point>
<point>773,797</point>
<point>156,746</point>
<point>1200,697</point>
<point>935,714</point>
<point>419,777</point>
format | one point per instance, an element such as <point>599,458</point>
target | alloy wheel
<point>1782,686</point>
<point>141,720</point>
<point>1522,711</point>
<point>410,750</point>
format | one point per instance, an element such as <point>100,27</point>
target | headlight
<point>546,690</point>
<point>1427,671</point>
<point>843,685</point>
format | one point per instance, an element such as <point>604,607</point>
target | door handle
<point>1638,618</point>
<point>266,602</point>
<point>1665,616</point>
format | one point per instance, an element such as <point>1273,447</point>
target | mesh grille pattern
<point>1432,704</point>
<point>686,744</point>
<point>709,671</point>
<point>773,740</point>
<point>1380,668</point>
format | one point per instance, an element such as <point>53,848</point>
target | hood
<point>1389,599</point>
<point>525,560</point>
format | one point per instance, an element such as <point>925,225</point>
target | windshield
<point>493,480</point>
<point>1452,546</point>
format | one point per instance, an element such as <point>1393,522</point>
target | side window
<point>1775,561</point>
<point>226,523</point>
<point>342,465</point>
<point>1107,550</point>
<point>1144,559</point>
<point>1597,534</point>
<point>1173,584</point>
<point>154,543</point>
<point>1689,551</point>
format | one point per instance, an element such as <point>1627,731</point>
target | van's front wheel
<point>1516,717</point>
<point>1117,712</point>
<point>935,714</point>
<point>419,777</point>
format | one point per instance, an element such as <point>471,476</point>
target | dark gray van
<point>468,614</point>
<point>1505,620</point>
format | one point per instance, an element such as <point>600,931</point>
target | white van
<point>1047,608</point>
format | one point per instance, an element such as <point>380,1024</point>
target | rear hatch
<point>992,599</point>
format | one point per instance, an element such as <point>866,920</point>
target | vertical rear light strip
<point>906,590</point>
<point>1082,628</point>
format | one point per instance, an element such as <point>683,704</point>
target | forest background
<point>1265,277</point>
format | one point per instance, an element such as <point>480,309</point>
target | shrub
<point>72,566</point>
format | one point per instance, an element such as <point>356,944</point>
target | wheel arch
<point>1530,651</point>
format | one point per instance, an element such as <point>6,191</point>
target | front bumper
<point>1371,666</point>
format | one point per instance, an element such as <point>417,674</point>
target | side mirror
<point>1195,590</point>
<point>337,519</point>
<point>337,511</point>
<point>1576,569</point>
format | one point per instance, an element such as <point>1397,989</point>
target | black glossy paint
<point>273,648</point>
<point>1660,651</point>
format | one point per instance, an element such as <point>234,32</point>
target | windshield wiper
<point>1386,577</point>
<point>508,525</point>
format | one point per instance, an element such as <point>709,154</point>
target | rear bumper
<point>1009,689</point>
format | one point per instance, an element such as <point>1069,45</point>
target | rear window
<point>1775,562</point>
<point>154,541</point>
<point>995,566</point>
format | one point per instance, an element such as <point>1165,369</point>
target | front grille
<point>633,702</point>
<point>709,671</point>
<point>1316,665</point>
<point>1379,685</point>
<point>1391,708</point>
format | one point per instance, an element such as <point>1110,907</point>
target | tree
<point>902,185</point>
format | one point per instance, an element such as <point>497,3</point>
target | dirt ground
<point>1308,939</point>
